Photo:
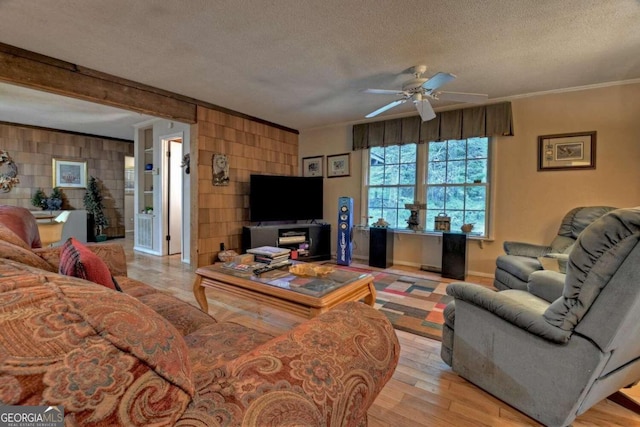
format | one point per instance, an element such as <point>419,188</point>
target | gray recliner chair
<point>555,360</point>
<point>521,259</point>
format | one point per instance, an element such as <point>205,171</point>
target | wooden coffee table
<point>303,296</point>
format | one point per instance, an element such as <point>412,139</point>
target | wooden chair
<point>51,232</point>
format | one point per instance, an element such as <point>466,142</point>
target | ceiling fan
<point>421,89</point>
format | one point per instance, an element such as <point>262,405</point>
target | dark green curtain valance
<point>485,120</point>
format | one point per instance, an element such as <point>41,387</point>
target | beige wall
<point>33,149</point>
<point>528,204</point>
<point>252,148</point>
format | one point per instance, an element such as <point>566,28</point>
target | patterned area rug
<point>412,304</point>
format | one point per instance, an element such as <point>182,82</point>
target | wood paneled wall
<point>252,148</point>
<point>33,149</point>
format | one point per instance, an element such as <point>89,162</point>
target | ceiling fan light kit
<point>421,89</point>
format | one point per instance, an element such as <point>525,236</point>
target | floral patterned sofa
<point>141,357</point>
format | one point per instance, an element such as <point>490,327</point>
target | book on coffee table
<point>242,268</point>
<point>272,260</point>
<point>269,251</point>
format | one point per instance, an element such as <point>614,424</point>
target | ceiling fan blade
<point>383,91</point>
<point>425,109</point>
<point>437,80</point>
<point>385,108</point>
<point>473,98</point>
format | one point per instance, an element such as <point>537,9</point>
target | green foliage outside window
<point>392,180</point>
<point>456,174</point>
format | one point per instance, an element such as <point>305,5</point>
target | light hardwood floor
<point>423,391</point>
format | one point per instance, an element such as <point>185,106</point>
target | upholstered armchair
<point>521,259</point>
<point>555,360</point>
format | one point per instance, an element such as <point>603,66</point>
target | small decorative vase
<point>381,223</point>
<point>466,228</point>
<point>53,204</point>
<point>226,255</point>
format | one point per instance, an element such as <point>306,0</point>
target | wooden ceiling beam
<point>32,70</point>
<point>35,71</point>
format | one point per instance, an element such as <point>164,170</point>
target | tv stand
<point>312,241</point>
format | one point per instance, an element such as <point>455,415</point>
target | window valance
<point>484,120</point>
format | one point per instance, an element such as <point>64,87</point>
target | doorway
<point>173,149</point>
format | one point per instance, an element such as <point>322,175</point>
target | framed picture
<point>69,174</point>
<point>338,165</point>
<point>567,151</point>
<point>220,169</point>
<point>312,166</point>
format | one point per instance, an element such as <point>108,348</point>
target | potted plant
<point>52,203</point>
<point>95,209</point>
<point>55,201</point>
<point>38,199</point>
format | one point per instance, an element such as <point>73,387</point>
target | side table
<point>380,247</point>
<point>454,255</point>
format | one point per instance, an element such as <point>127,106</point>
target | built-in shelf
<point>144,238</point>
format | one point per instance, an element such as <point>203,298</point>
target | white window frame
<point>421,187</point>
<point>366,159</point>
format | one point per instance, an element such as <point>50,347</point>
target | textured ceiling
<point>304,63</point>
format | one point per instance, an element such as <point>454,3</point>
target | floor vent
<point>431,268</point>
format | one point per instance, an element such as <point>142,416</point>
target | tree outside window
<point>457,172</point>
<point>456,182</point>
<point>392,182</point>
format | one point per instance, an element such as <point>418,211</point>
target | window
<point>452,177</point>
<point>392,183</point>
<point>457,182</point>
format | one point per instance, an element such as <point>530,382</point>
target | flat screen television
<point>285,198</point>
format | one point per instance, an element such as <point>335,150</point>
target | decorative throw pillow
<point>78,261</point>
<point>549,264</point>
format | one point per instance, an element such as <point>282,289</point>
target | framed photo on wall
<point>338,165</point>
<point>312,166</point>
<point>69,174</point>
<point>567,151</point>
<point>220,169</point>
